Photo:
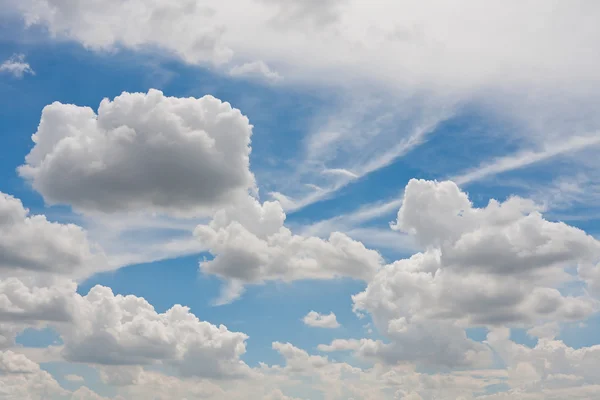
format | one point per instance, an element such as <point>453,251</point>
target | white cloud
<point>27,301</point>
<point>497,265</point>
<point>412,45</point>
<point>21,378</point>
<point>126,330</point>
<point>59,248</point>
<point>548,366</point>
<point>526,158</point>
<point>38,261</point>
<point>369,132</point>
<point>255,69</point>
<point>512,65</point>
<point>142,153</point>
<point>14,363</point>
<point>16,66</point>
<point>509,238</point>
<point>341,381</point>
<point>187,29</point>
<point>317,320</point>
<point>251,245</point>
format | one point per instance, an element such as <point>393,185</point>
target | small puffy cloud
<point>16,66</point>
<point>298,360</point>
<point>251,245</point>
<point>317,320</point>
<point>61,249</point>
<point>342,345</point>
<point>127,331</point>
<point>255,69</point>
<point>142,152</point>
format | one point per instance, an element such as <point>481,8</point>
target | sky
<point>299,200</point>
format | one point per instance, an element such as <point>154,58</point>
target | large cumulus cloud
<point>142,152</point>
<point>503,264</point>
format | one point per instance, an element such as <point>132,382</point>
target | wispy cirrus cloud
<point>526,158</point>
<point>16,66</point>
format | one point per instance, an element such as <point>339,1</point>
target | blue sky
<point>428,181</point>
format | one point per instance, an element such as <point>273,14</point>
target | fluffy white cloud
<point>502,238</point>
<point>319,376</point>
<point>250,244</point>
<point>531,373</point>
<point>317,320</point>
<point>186,28</point>
<point>16,66</point>
<point>507,57</point>
<point>502,264</point>
<point>38,260</point>
<point>127,331</point>
<point>21,378</point>
<point>433,344</point>
<point>142,152</point>
<point>59,248</point>
<point>23,301</point>
<point>547,369</point>
<point>14,363</point>
<point>339,380</point>
<point>162,387</point>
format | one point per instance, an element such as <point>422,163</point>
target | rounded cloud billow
<point>62,249</point>
<point>251,245</point>
<point>110,329</point>
<point>142,152</point>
